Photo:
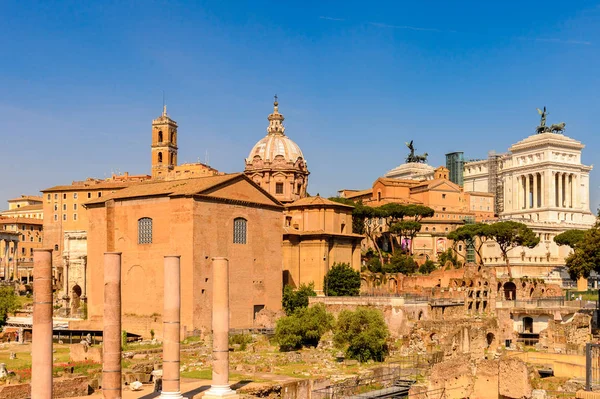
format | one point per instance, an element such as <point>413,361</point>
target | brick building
<point>197,218</point>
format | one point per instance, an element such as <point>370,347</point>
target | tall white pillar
<point>534,196</point>
<point>527,192</point>
<point>543,191</point>
<point>571,190</point>
<point>577,192</point>
<point>560,190</point>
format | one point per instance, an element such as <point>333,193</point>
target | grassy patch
<point>205,374</point>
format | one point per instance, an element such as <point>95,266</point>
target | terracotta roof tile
<point>182,187</point>
<point>316,201</point>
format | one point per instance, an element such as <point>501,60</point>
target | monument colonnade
<point>42,384</point>
<point>547,189</point>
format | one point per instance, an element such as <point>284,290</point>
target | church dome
<point>275,143</point>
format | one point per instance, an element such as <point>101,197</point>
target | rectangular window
<point>89,195</point>
<point>64,195</point>
<point>55,196</point>
<point>74,216</point>
<point>55,217</point>
<point>64,216</point>
<point>74,195</point>
<point>278,188</point>
<point>443,195</point>
<point>48,197</point>
<point>56,207</point>
<point>31,238</point>
<point>239,231</point>
<point>64,207</point>
<point>74,207</point>
<point>145,231</point>
<point>99,194</point>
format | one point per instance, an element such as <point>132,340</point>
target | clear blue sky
<point>82,80</point>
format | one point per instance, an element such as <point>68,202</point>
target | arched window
<point>172,137</point>
<point>239,230</point>
<point>145,231</point>
<point>172,158</point>
<point>160,157</point>
<point>160,137</point>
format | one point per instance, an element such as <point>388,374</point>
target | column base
<point>170,395</point>
<point>220,391</point>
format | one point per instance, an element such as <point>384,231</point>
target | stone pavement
<point>190,389</point>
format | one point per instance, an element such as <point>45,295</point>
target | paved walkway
<point>190,389</point>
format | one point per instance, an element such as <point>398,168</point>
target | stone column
<point>171,328</point>
<point>66,282</point>
<point>15,257</point>
<point>543,200</point>
<point>111,337</point>
<point>527,192</point>
<point>570,177</point>
<point>84,263</point>
<point>577,192</point>
<point>6,250</point>
<point>41,349</point>
<point>534,196</point>
<point>560,189</point>
<point>220,326</point>
<point>517,193</point>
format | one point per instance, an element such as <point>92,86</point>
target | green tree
<point>294,299</point>
<point>448,255</point>
<point>363,333</point>
<point>586,255</point>
<point>570,237</point>
<point>342,280</point>
<point>392,213</point>
<point>427,267</point>
<point>419,212</point>
<point>9,303</point>
<point>401,263</point>
<point>509,235</point>
<point>406,228</point>
<point>471,234</point>
<point>304,327</point>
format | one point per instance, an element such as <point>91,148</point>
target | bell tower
<point>164,145</point>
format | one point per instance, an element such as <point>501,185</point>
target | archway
<point>528,325</point>
<point>510,291</point>
<point>490,337</point>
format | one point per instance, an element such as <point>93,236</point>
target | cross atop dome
<point>276,120</point>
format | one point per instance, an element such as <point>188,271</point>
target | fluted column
<point>111,336</point>
<point>171,328</point>
<point>576,192</point>
<point>220,326</point>
<point>41,349</point>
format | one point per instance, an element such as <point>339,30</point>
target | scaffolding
<point>495,183</point>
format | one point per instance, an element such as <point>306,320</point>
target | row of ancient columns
<point>532,191</point>
<point>6,260</point>
<point>41,384</point>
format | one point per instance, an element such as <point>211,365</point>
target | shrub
<point>342,280</point>
<point>304,327</point>
<point>427,267</point>
<point>123,339</point>
<point>9,303</point>
<point>401,263</point>
<point>240,339</point>
<point>364,334</point>
<point>295,299</point>
<point>374,265</point>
